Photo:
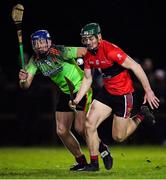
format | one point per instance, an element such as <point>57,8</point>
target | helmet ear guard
<point>90,30</point>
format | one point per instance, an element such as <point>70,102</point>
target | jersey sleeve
<point>86,62</point>
<point>31,67</point>
<point>116,54</point>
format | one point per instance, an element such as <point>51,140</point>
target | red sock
<point>81,159</point>
<point>140,117</point>
<point>94,159</point>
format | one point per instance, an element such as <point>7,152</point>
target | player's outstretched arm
<point>149,97</point>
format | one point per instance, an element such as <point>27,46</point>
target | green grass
<point>136,162</point>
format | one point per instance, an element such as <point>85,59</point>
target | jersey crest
<point>51,63</point>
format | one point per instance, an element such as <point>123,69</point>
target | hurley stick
<point>71,89</point>
<point>17,15</point>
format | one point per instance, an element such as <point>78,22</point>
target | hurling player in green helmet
<point>88,32</point>
<point>115,97</point>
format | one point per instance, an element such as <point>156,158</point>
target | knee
<point>90,125</point>
<point>80,130</point>
<point>61,131</point>
<point>118,138</point>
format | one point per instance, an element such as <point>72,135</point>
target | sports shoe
<point>76,167</point>
<point>107,158</point>
<point>148,116</point>
<point>90,167</point>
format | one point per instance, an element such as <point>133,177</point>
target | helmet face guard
<point>40,35</point>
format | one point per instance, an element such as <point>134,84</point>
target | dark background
<point>137,26</point>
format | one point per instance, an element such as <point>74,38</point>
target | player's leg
<point>105,155</point>
<point>143,115</point>
<point>123,126</point>
<point>103,148</point>
<point>80,117</point>
<point>103,97</point>
<point>97,114</point>
<point>63,123</point>
<point>79,125</point>
<point>64,119</point>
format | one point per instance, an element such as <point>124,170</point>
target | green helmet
<point>90,29</point>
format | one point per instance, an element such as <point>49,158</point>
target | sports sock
<point>94,159</point>
<point>81,159</point>
<point>138,118</point>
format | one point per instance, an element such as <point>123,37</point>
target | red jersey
<point>109,58</point>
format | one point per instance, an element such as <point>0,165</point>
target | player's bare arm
<point>81,51</point>
<point>149,97</point>
<point>85,85</point>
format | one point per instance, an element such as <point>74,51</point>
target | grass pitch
<point>130,162</point>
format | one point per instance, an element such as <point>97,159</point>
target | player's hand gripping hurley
<point>17,15</point>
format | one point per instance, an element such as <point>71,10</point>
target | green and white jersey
<point>58,63</point>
